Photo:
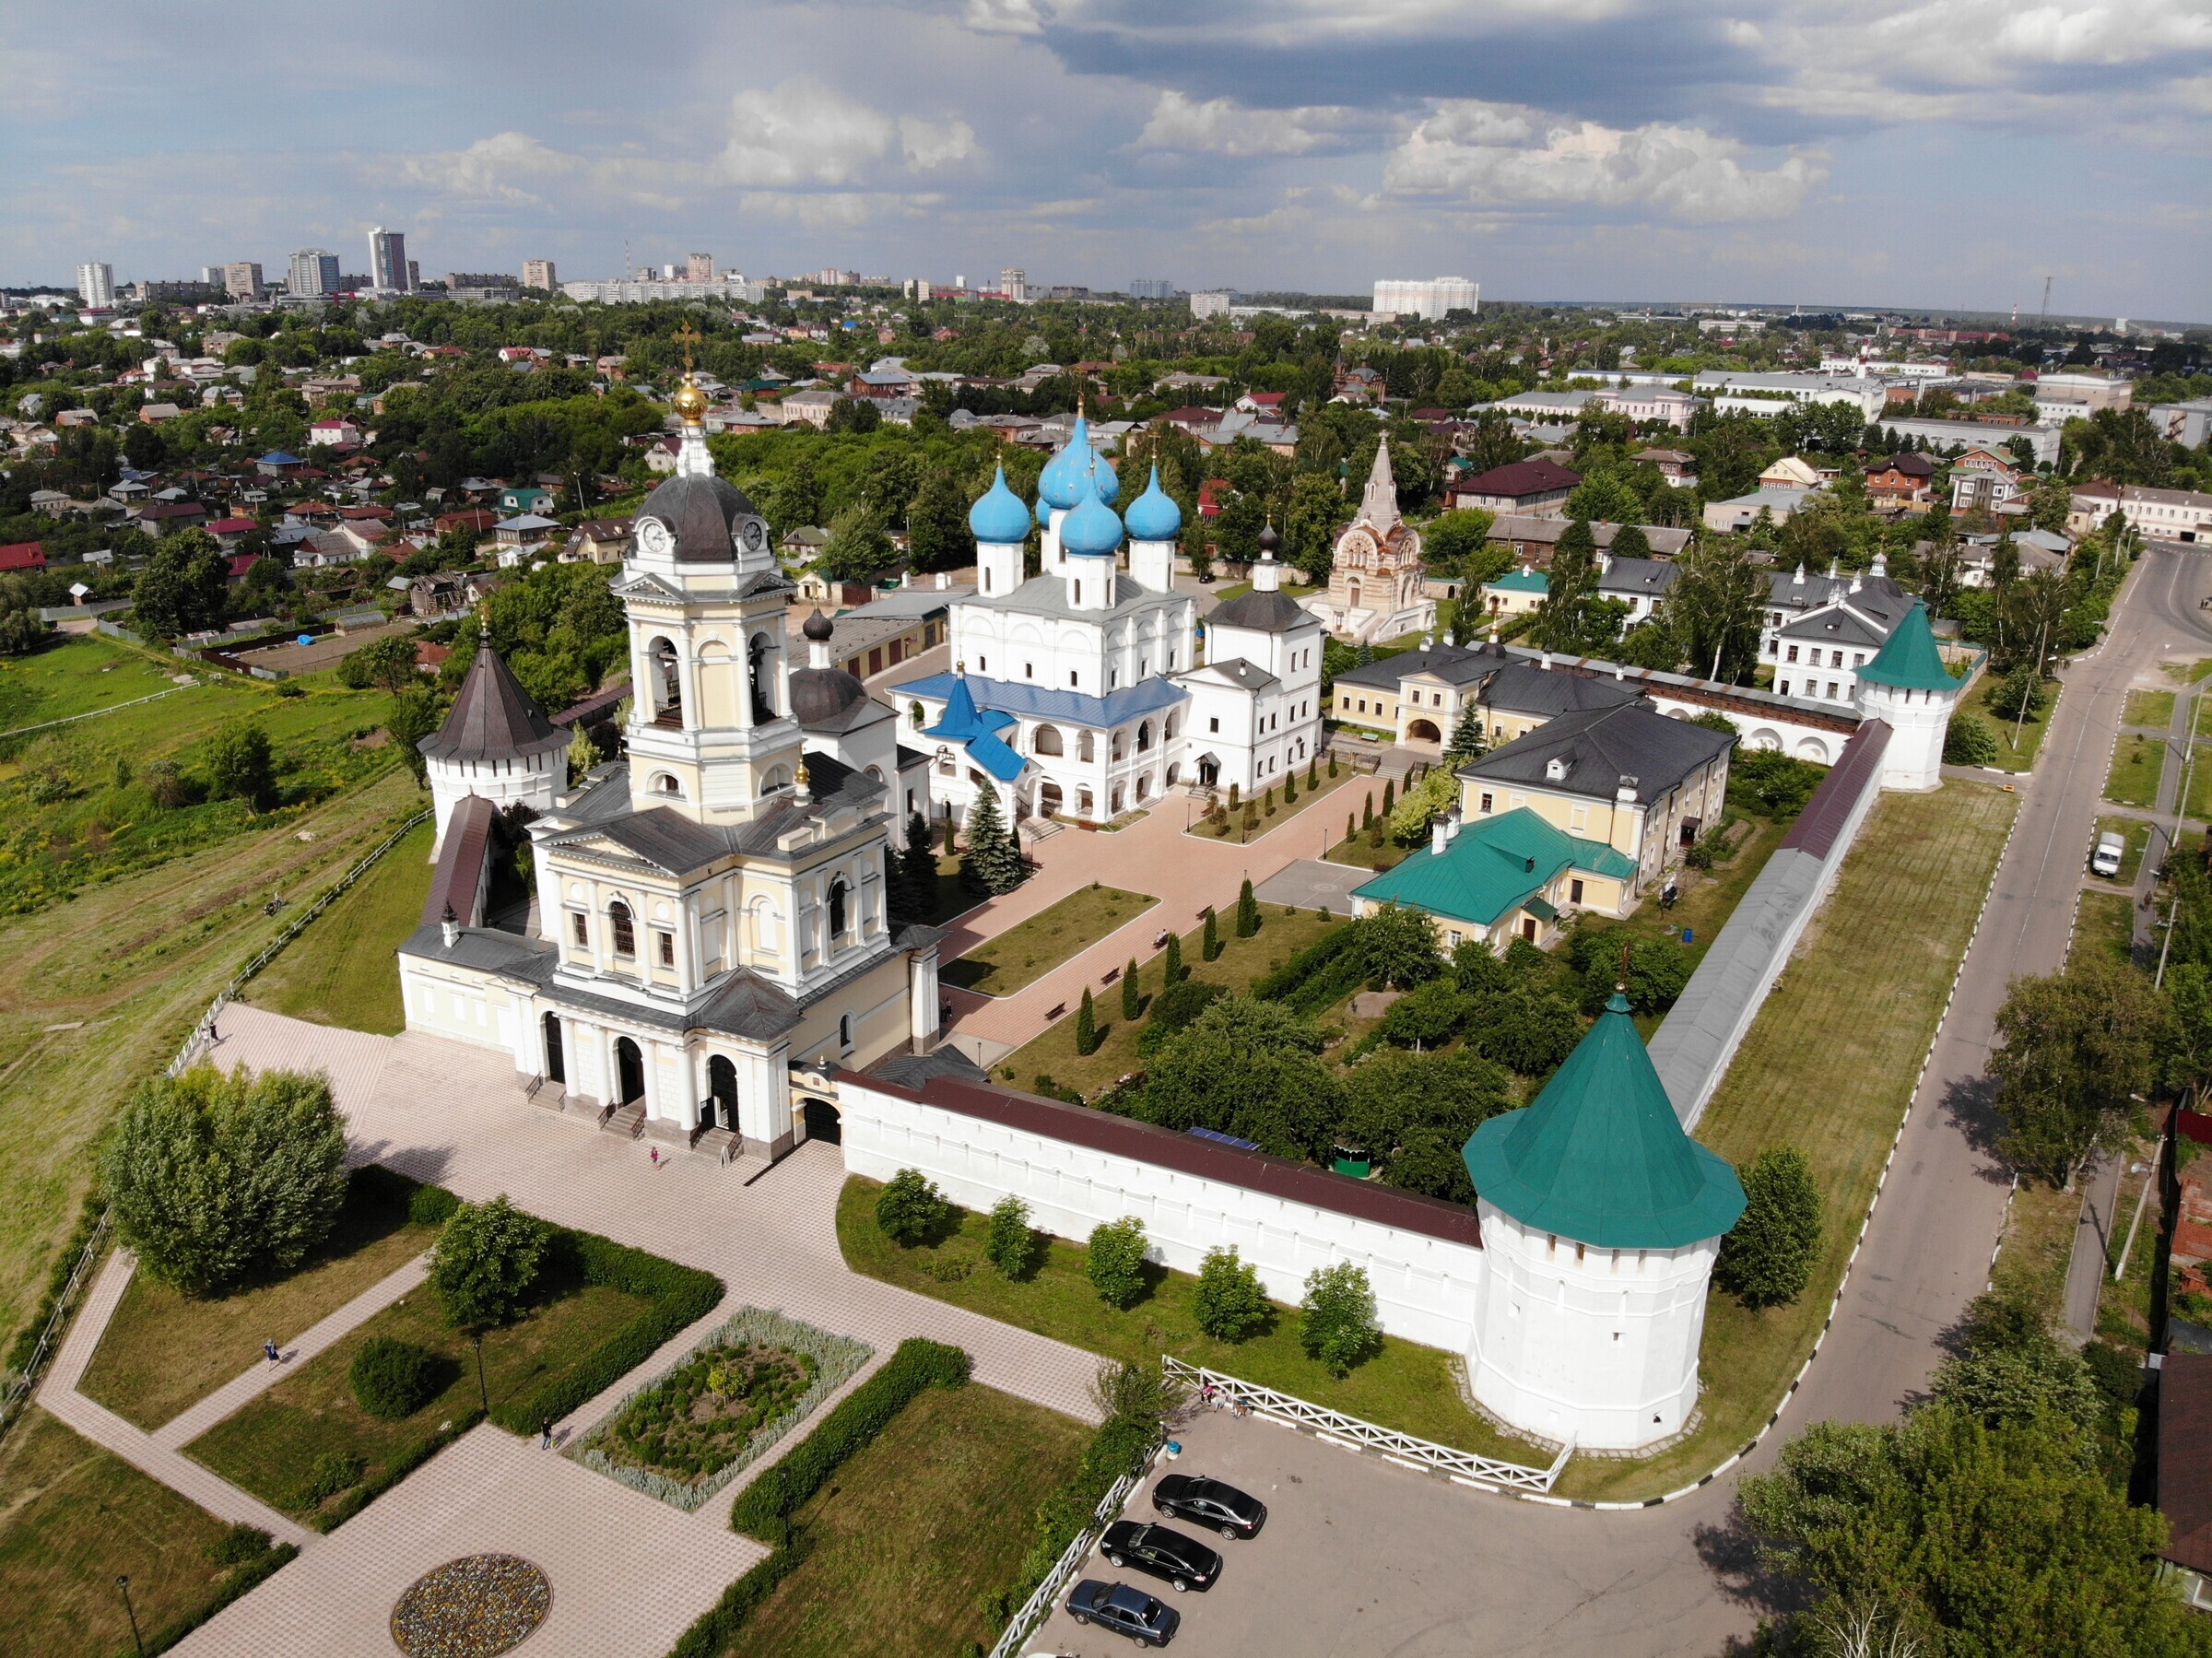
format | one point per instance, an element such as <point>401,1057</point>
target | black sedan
<point>1210,1503</point>
<point>1184,1561</point>
<point>1123,1610</point>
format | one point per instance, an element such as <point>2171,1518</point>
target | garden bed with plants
<point>1029,949</point>
<point>685,1435</point>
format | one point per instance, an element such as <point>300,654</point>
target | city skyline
<point>1950,157</point>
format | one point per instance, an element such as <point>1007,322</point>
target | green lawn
<point>1320,796</point>
<point>2105,921</point>
<point>1847,1025</point>
<point>164,1351</point>
<point>1283,933</point>
<point>2189,673</point>
<point>341,972</point>
<point>2135,831</point>
<point>917,1529</point>
<point>72,1518</point>
<point>102,990</point>
<point>2150,708</point>
<point>1028,950</point>
<point>2134,778</point>
<point>2040,1224</point>
<point>269,1446</point>
<point>2199,801</point>
<point>2124,1306</point>
<point>77,676</point>
<point>2012,756</point>
<point>1407,1386</point>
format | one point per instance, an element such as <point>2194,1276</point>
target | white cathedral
<point>1092,688</point>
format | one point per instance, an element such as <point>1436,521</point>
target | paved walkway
<point>58,1393</point>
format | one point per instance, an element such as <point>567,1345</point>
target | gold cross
<point>689,336</point>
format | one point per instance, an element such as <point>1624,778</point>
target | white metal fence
<point>1038,1605</point>
<point>195,1043</point>
<point>1463,1468</point>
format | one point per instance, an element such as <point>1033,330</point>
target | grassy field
<point>270,1446</point>
<point>340,971</point>
<point>102,990</point>
<point>2135,832</point>
<point>1324,790</point>
<point>78,678</point>
<point>916,1529</point>
<point>1283,933</point>
<point>2040,1224</point>
<point>2199,801</point>
<point>1028,950</point>
<point>2150,708</point>
<point>72,1518</point>
<point>2134,778</point>
<point>2124,1306</point>
<point>1847,1024</point>
<point>2105,921</point>
<point>1407,1386</point>
<point>2189,673</point>
<point>2012,756</point>
<point>163,1351</point>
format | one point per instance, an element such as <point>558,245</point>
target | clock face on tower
<point>653,538</point>
<point>752,536</point>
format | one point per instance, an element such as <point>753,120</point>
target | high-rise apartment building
<point>414,276</point>
<point>241,279</point>
<point>699,268</point>
<point>1151,288</point>
<point>314,274</point>
<point>1014,283</point>
<point>1213,303</point>
<point>538,272</point>
<point>1430,298</point>
<point>95,284</point>
<point>388,260</point>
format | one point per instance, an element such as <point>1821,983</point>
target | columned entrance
<point>630,1071</point>
<point>555,1066</point>
<point>719,1109</point>
<point>820,1121</point>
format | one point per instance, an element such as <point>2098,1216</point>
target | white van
<point>2105,860</point>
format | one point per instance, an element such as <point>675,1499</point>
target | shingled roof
<point>493,718</point>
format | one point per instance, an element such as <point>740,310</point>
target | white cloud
<point>927,144</point>
<point>489,168</point>
<point>1286,217</point>
<point>1493,156</point>
<point>1219,126</point>
<point>799,132</point>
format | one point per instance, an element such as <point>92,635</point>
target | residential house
<point>525,498</point>
<point>816,589</point>
<point>1983,480</point>
<point>334,431</point>
<point>1742,512</point>
<point>2036,550</point>
<point>1790,472</point>
<point>1904,480</point>
<point>803,544</point>
<point>158,414</point>
<point>1516,593</point>
<point>51,502</point>
<point>22,556</point>
<point>2184,1471</point>
<point>1678,468</point>
<point>229,532</point>
<point>809,407</point>
<point>521,534</point>
<point>1512,876</point>
<point>1538,487</point>
<point>162,518</point>
<point>1533,540</point>
<point>478,521</point>
<point>1820,631</point>
<point>598,541</point>
<point>1639,583</point>
<point>278,464</point>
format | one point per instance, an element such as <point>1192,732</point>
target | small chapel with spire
<point>1376,574</point>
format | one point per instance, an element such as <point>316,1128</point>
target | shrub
<point>1174,1008</point>
<point>1117,1261</point>
<point>485,1262</point>
<point>910,1210</point>
<point>1767,1259</point>
<point>240,1545</point>
<point>214,1176</point>
<point>1010,1245</point>
<point>1231,1304</point>
<point>431,1205</point>
<point>1969,741</point>
<point>1426,1016</point>
<point>392,1379</point>
<point>333,1472</point>
<point>1337,1323</point>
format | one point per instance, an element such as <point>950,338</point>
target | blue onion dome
<point>999,515</point>
<point>1065,478</point>
<point>1108,482</point>
<point>1154,516</point>
<point>1091,530</point>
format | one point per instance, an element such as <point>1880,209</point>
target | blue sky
<point>1924,153</point>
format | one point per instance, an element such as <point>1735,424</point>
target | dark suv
<point>1184,1561</point>
<point>1123,1610</point>
<point>1210,1503</point>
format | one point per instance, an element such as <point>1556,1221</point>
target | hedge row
<point>717,1627</point>
<point>680,1297</point>
<point>359,1497</point>
<point>1275,986</point>
<point>237,1582</point>
<point>764,1508</point>
<point>1119,1447</point>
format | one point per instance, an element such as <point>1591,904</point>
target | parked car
<point>1123,1610</point>
<point>1210,1503</point>
<point>1184,1561</point>
<point>2106,859</point>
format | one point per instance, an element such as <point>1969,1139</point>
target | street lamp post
<point>122,1582</point>
<point>483,1392</point>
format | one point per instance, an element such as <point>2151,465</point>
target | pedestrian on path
<point>656,1157</point>
<point>545,1434</point>
<point>269,1349</point>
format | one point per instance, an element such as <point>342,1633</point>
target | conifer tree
<point>1467,742</point>
<point>1247,911</point>
<point>1290,788</point>
<point>1087,1025</point>
<point>921,861</point>
<point>993,862</point>
<point>1209,947</point>
<point>1367,813</point>
<point>1173,971</point>
<point>1133,1004</point>
<point>1390,794</point>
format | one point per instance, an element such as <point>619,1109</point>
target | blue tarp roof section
<point>1216,1134</point>
<point>993,755</point>
<point>276,457</point>
<point>1042,702</point>
<point>976,729</point>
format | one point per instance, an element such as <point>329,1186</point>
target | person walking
<point>656,1157</point>
<point>269,1351</point>
<point>545,1434</point>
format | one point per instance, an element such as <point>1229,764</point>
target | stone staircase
<point>629,1121</point>
<point>720,1143</point>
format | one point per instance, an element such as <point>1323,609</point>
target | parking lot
<point>1361,1558</point>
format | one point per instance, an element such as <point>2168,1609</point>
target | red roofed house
<point>1900,479</point>
<point>229,532</point>
<point>333,432</point>
<point>23,555</point>
<point>1538,487</point>
<point>1209,496</point>
<point>1262,403</point>
<point>482,520</point>
<point>240,564</point>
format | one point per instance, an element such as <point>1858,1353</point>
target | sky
<point>1927,154</point>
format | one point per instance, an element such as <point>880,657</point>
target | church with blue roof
<point>1092,688</point>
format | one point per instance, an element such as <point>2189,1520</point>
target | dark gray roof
<point>1521,687</point>
<point>918,1070</point>
<point>493,718</point>
<point>486,950</point>
<point>1047,595</point>
<point>1248,676</point>
<point>704,514</point>
<point>1454,664</point>
<point>746,1004</point>
<point>832,700</point>
<point>1275,612</point>
<point>668,840</point>
<point>1652,576</point>
<point>1600,747</point>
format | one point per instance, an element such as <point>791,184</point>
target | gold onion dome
<point>690,402</point>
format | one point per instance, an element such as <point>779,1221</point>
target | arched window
<point>844,1031</point>
<point>760,671</point>
<point>1116,752</point>
<point>626,937</point>
<point>1144,737</point>
<point>665,783</point>
<point>915,715</point>
<point>1048,740</point>
<point>1083,749</point>
<point>837,908</point>
<point>779,777</point>
<point>667,684</point>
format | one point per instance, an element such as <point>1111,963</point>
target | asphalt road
<point>1671,1583</point>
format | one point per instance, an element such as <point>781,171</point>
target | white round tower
<point>495,743</point>
<point>1601,1221</point>
<point>1908,688</point>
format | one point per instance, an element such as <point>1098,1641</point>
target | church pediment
<point>642,585</point>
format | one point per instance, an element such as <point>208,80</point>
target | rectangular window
<point>982,665</point>
<point>1490,802</point>
<point>1071,680</point>
<point>1831,690</point>
<point>1575,892</point>
<point>665,948</point>
<point>1785,688</point>
<point>580,928</point>
<point>1213,724</point>
<point>1793,656</point>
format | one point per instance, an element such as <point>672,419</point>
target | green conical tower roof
<point>1908,658</point>
<point>1601,1158</point>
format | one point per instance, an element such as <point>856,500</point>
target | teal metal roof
<point>1600,1157</point>
<point>1908,658</point>
<point>1495,866</point>
<point>1519,581</point>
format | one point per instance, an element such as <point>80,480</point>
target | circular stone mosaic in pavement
<point>475,1607</point>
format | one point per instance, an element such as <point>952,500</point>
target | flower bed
<point>686,1434</point>
<point>477,1607</point>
